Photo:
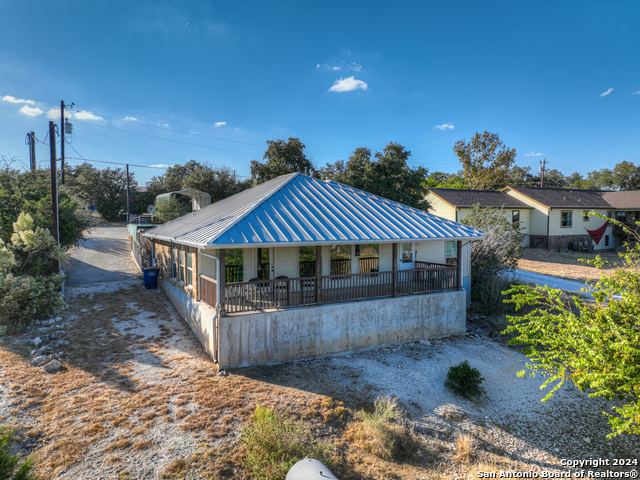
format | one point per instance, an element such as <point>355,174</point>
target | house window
<point>606,240</point>
<point>174,261</point>
<point>608,213</point>
<point>189,253</point>
<point>406,250</point>
<point>585,215</point>
<point>621,216</point>
<point>566,218</point>
<point>515,216</point>
<point>451,254</point>
<point>181,255</point>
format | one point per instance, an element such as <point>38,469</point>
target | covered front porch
<point>258,279</point>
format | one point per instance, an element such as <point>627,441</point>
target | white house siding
<point>286,261</point>
<point>430,252</point>
<point>537,216</point>
<point>208,265</point>
<point>355,261</point>
<point>441,208</point>
<point>326,260</point>
<point>579,226</point>
<point>385,260</point>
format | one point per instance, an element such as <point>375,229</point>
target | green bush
<point>488,298</point>
<point>9,469</point>
<point>274,444</point>
<point>464,380</point>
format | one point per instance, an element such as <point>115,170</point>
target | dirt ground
<point>565,265</point>
<point>139,398</point>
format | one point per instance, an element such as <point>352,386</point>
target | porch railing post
<point>223,286</point>
<point>318,275</point>
<point>394,275</point>
<point>459,266</point>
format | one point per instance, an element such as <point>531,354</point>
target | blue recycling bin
<point>150,275</point>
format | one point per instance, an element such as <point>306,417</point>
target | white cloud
<point>445,126</point>
<point>54,113</point>
<point>356,67</point>
<point>604,94</point>
<point>532,153</point>
<point>219,124</point>
<point>348,84</point>
<point>32,112</point>
<point>636,93</point>
<point>10,99</point>
<point>84,115</point>
<point>159,165</point>
<point>130,119</point>
<point>336,68</point>
<point>163,125</point>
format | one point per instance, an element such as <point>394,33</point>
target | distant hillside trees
<point>387,174</point>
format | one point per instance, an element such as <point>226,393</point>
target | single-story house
<point>454,204</point>
<point>551,217</point>
<point>298,267</point>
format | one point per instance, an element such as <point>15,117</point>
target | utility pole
<point>543,166</point>
<point>32,151</point>
<point>62,106</point>
<point>128,213</point>
<point>54,190</point>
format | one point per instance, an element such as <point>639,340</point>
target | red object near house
<point>598,233</point>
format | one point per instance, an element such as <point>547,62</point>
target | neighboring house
<point>554,217</point>
<point>454,204</point>
<point>298,267</point>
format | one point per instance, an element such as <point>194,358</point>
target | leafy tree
<point>601,179</point>
<point>281,158</point>
<point>553,178</point>
<point>595,345</point>
<point>499,250</point>
<point>106,189</point>
<point>30,192</point>
<point>626,176</point>
<point>485,160</point>
<point>521,177</point>
<point>387,175</point>
<point>169,209</point>
<point>445,180</point>
<point>574,180</point>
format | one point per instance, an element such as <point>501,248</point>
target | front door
<point>407,256</point>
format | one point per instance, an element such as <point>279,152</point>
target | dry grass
<point>383,431</point>
<point>464,449</point>
<point>565,265</point>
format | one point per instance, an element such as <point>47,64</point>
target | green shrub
<point>23,298</point>
<point>274,444</point>
<point>383,431</point>
<point>488,298</point>
<point>464,380</point>
<point>9,469</point>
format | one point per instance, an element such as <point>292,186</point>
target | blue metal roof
<point>299,210</point>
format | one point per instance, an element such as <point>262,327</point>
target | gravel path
<point>104,256</point>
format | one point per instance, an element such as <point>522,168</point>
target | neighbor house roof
<point>486,198</point>
<point>562,197</point>
<point>629,199</point>
<point>296,209</point>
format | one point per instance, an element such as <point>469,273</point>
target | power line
<point>20,123</point>
<point>199,135</point>
<point>169,140</point>
<point>114,163</point>
<point>16,134</point>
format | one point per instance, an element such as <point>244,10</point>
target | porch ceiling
<point>299,210</point>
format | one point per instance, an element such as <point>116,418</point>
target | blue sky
<point>556,80</point>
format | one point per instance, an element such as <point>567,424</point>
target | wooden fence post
<point>394,280</point>
<point>459,262</point>
<point>223,286</point>
<point>318,275</point>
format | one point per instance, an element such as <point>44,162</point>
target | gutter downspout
<point>216,317</point>
<point>548,232</point>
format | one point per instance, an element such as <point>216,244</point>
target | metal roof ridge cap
<point>253,207</point>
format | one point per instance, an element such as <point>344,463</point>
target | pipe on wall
<point>216,317</point>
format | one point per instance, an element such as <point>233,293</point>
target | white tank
<point>309,469</point>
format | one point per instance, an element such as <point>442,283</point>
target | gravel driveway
<point>104,256</point>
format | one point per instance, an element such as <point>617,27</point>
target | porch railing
<point>293,292</point>
<point>208,290</point>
